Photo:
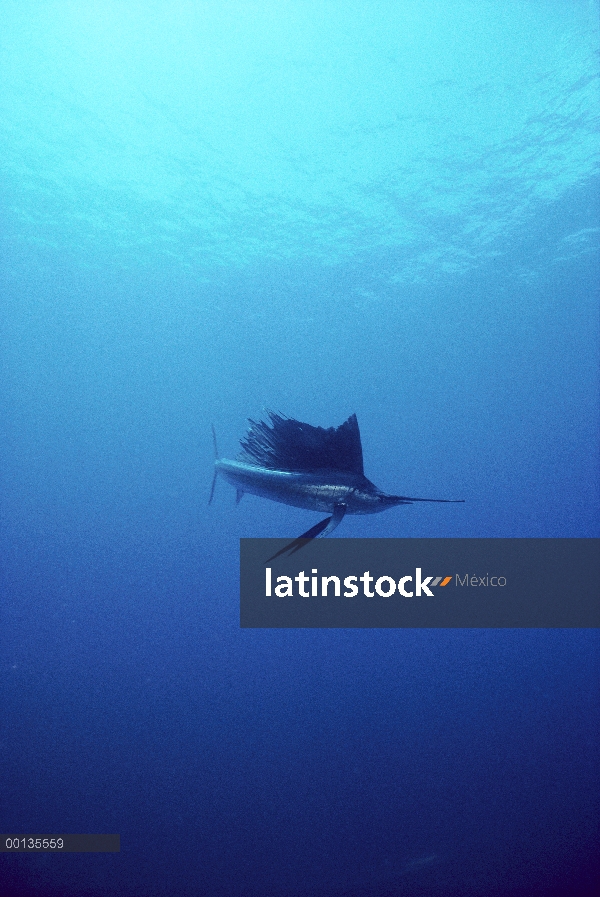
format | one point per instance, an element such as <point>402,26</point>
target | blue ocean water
<point>212,208</point>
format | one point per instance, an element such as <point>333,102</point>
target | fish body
<point>320,490</point>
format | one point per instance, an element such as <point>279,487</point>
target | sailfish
<point>316,468</point>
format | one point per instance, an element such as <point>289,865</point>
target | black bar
<point>60,843</point>
<point>485,583</point>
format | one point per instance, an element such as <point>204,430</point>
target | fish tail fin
<point>214,480</point>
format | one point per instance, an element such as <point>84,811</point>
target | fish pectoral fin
<point>336,518</point>
<point>239,494</point>
<point>323,528</point>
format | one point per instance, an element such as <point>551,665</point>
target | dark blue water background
<point>320,208</point>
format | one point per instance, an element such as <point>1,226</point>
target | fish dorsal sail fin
<point>288,444</point>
